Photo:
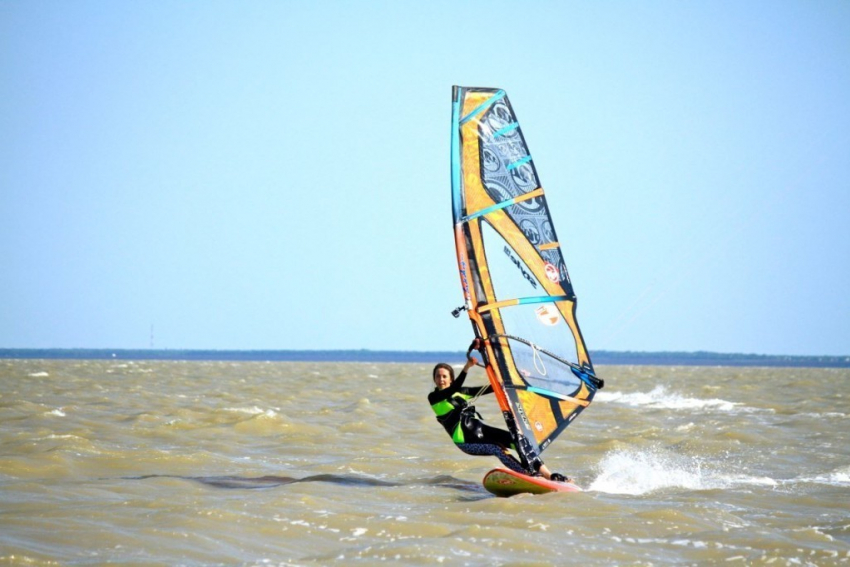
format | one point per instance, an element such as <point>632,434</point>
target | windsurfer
<point>450,401</point>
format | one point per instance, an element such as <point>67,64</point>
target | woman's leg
<point>497,451</point>
<point>500,437</point>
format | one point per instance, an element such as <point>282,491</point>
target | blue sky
<point>275,175</point>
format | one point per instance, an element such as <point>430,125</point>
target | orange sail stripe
<point>499,206</point>
<point>497,305</point>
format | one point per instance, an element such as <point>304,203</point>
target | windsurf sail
<point>516,288</point>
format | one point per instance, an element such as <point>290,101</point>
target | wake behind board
<point>504,483</point>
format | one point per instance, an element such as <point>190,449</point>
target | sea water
<point>295,463</point>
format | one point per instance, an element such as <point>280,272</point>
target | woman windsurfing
<point>450,402</point>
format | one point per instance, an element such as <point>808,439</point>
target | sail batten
<point>516,287</point>
<point>483,308</point>
<point>551,394</point>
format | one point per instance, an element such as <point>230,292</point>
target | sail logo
<point>521,413</point>
<point>552,272</point>
<point>529,278</point>
<point>547,315</point>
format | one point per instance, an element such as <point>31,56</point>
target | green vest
<point>445,407</point>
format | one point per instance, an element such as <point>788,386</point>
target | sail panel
<point>516,286</point>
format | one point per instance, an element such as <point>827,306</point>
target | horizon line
<point>601,357</point>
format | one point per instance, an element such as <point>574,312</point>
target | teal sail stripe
<point>518,163</point>
<point>502,131</point>
<point>547,393</point>
<point>484,105</point>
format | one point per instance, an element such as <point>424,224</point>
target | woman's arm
<point>470,362</point>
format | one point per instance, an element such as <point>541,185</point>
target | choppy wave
<point>160,460</point>
<point>660,398</point>
<point>352,480</point>
<point>254,411</point>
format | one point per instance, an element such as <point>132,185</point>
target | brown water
<point>199,463</point>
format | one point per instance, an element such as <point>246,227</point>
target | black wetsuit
<point>470,434</point>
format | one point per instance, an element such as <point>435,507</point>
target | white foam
<point>640,472</point>
<point>253,411</point>
<point>660,398</point>
<point>38,374</point>
<point>826,415</point>
<point>643,471</point>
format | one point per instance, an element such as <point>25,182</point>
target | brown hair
<point>445,366</point>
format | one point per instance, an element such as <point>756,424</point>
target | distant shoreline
<point>363,355</point>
